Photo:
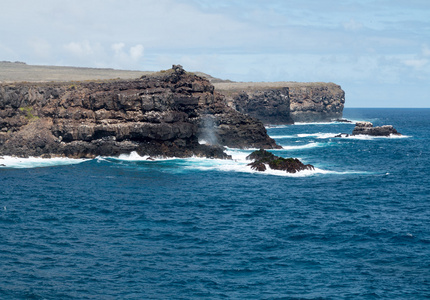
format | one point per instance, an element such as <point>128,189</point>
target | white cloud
<point>352,25</point>
<point>425,50</point>
<point>80,49</point>
<point>118,47</point>
<point>416,63</point>
<point>136,52</point>
<point>123,56</point>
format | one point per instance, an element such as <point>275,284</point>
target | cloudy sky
<point>377,50</point>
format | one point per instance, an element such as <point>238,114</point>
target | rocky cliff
<point>285,102</point>
<point>162,114</point>
<point>316,102</point>
<point>269,105</point>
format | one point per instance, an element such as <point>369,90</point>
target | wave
<point>329,135</point>
<point>306,146</point>
<point>369,137</point>
<point>352,123</point>
<point>283,136</point>
<point>13,162</point>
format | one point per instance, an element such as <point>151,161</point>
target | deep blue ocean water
<point>126,228</point>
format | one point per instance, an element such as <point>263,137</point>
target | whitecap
<point>36,162</point>
<point>134,156</point>
<point>283,136</point>
<point>369,137</point>
<point>306,146</point>
<point>319,135</point>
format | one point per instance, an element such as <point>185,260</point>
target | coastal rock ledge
<point>366,128</point>
<point>168,113</point>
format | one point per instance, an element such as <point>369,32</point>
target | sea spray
<point>207,133</point>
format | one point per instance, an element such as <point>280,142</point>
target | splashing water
<point>207,134</point>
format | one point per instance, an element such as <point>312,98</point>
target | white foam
<point>36,162</point>
<point>319,135</point>
<point>307,146</point>
<point>133,156</point>
<point>283,136</point>
<point>369,137</point>
<point>315,123</point>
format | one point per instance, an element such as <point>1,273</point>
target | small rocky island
<point>366,128</point>
<point>261,158</point>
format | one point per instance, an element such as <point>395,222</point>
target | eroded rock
<point>261,158</point>
<point>366,128</point>
<point>157,115</point>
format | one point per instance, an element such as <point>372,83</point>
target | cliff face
<point>285,102</point>
<point>271,106</point>
<point>316,102</point>
<point>164,114</point>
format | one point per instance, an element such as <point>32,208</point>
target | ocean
<point>358,227</point>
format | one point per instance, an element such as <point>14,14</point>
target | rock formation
<point>270,106</point>
<point>261,158</point>
<point>285,102</point>
<point>162,114</point>
<point>316,102</point>
<point>366,128</point>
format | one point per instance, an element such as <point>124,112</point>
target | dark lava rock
<point>263,157</point>
<point>342,121</point>
<point>162,114</point>
<point>341,135</point>
<point>366,128</point>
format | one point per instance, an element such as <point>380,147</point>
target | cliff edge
<point>285,102</point>
<point>169,113</point>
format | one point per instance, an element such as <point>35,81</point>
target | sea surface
<point>358,227</point>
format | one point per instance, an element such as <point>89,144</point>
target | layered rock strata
<point>270,106</point>
<point>316,102</point>
<point>162,114</point>
<point>366,128</point>
<point>285,102</point>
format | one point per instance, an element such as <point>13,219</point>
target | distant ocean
<point>358,227</point>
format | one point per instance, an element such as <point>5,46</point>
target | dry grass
<point>16,72</point>
<point>238,86</point>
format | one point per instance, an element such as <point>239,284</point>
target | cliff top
<point>18,71</point>
<point>237,86</point>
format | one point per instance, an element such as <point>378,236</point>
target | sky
<point>377,50</point>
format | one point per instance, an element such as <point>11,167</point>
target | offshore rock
<point>366,128</point>
<point>262,158</point>
<point>161,114</point>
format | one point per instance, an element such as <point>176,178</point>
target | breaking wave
<point>36,162</point>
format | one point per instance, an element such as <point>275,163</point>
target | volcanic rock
<point>285,102</point>
<point>162,114</point>
<point>366,128</point>
<point>262,158</point>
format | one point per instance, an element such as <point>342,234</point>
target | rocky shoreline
<point>161,114</point>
